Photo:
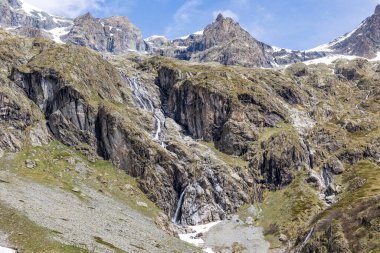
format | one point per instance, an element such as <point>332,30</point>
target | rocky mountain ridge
<point>362,41</point>
<point>114,35</point>
<point>223,41</point>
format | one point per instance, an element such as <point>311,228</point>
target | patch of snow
<point>43,18</point>
<point>154,37</point>
<point>377,58</point>
<point>28,8</point>
<point>58,32</point>
<point>184,37</point>
<point>321,48</point>
<point>278,49</point>
<point>57,19</point>
<point>9,28</point>
<point>196,33</point>
<point>7,250</point>
<point>208,250</point>
<point>190,238</point>
<point>330,59</point>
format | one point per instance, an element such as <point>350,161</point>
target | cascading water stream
<point>306,240</point>
<point>179,206</point>
<point>144,101</point>
<point>158,128</point>
<point>327,179</point>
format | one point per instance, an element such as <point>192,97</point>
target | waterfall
<point>158,128</point>
<point>179,205</point>
<point>327,179</point>
<point>143,100</point>
<point>306,240</point>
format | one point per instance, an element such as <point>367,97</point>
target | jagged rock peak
<point>377,9</point>
<point>219,17</point>
<point>222,30</point>
<point>86,16</point>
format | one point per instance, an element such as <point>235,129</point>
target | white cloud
<point>183,16</point>
<point>226,14</point>
<point>70,8</point>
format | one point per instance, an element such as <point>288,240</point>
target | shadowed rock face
<point>115,34</point>
<point>279,166</point>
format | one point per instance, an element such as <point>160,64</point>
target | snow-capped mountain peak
<point>22,18</point>
<point>29,8</point>
<point>195,33</point>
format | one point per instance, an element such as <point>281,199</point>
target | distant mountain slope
<point>24,19</point>
<point>364,41</point>
<point>115,34</point>
<point>224,41</point>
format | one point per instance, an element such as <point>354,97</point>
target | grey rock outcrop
<point>279,166</point>
<point>115,34</point>
<point>13,121</point>
<point>157,44</point>
<point>223,41</point>
<point>213,114</point>
<point>14,15</point>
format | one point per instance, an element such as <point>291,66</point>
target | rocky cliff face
<point>203,140</point>
<point>115,34</point>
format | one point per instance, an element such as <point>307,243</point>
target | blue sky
<point>294,24</point>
